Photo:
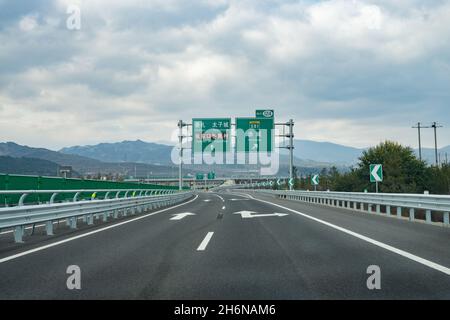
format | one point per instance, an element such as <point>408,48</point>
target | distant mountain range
<point>126,151</point>
<point>326,152</point>
<point>152,153</point>
<point>144,159</point>
<point>83,165</point>
<point>307,153</point>
<point>27,166</point>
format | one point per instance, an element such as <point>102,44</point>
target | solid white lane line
<point>400,252</point>
<point>15,256</point>
<point>205,242</point>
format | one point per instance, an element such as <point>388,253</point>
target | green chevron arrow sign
<point>376,173</point>
<point>291,182</point>
<point>315,180</point>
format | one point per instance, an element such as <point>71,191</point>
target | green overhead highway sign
<point>211,175</point>
<point>376,173</point>
<point>199,176</point>
<point>254,134</point>
<point>211,135</point>
<point>269,114</point>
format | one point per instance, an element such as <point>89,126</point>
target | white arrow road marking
<point>219,197</point>
<point>180,216</point>
<point>375,173</point>
<point>374,242</point>
<point>250,214</point>
<point>205,241</point>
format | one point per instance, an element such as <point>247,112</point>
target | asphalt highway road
<point>232,245</point>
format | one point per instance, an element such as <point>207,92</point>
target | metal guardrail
<point>375,202</point>
<point>24,193</point>
<point>18,217</point>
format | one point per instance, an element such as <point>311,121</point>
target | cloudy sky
<point>351,72</point>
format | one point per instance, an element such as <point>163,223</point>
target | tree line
<point>403,173</point>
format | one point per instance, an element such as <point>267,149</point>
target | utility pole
<point>419,127</point>
<point>435,125</point>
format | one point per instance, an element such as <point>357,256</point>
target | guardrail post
<point>115,214</point>
<point>72,222</point>
<point>355,205</point>
<point>90,219</point>
<point>411,214</point>
<point>446,218</point>
<point>388,210</point>
<point>18,234</point>
<point>428,216</point>
<point>49,228</point>
<point>105,216</point>
<point>378,209</point>
<point>399,212</point>
<point>361,206</point>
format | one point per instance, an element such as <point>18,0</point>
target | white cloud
<point>28,23</point>
<point>334,66</point>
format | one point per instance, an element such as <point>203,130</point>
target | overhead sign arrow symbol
<point>252,214</point>
<point>180,216</point>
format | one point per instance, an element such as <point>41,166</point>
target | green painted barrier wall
<point>19,182</point>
